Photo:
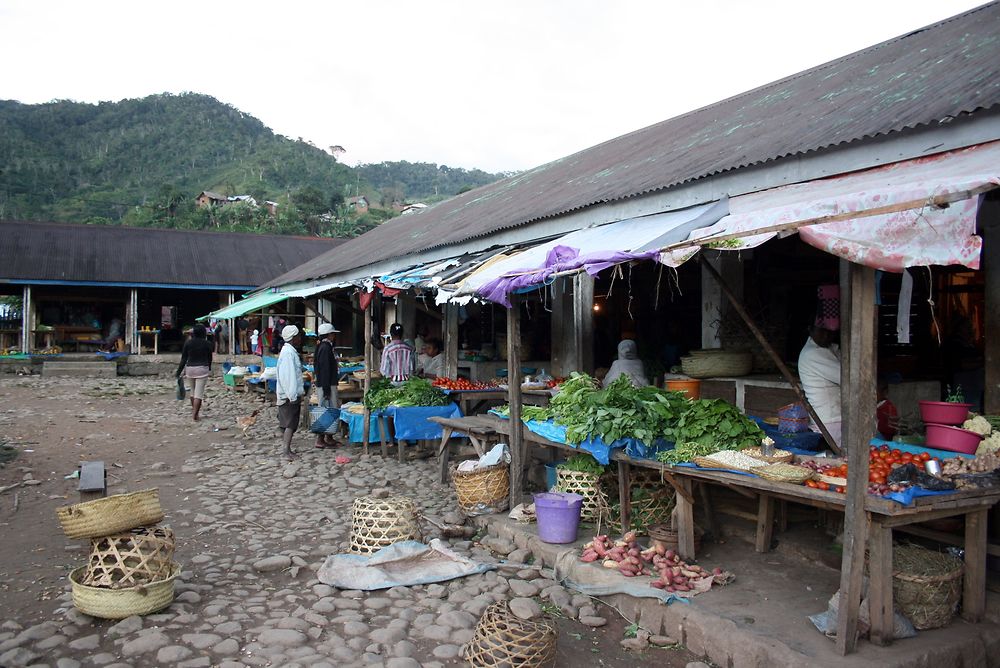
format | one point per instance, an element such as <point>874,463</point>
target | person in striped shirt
<point>398,358</point>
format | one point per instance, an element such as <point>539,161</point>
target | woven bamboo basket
<point>928,599</point>
<point>122,603</point>
<point>379,523</point>
<point>111,515</point>
<point>788,473</point>
<point>717,363</point>
<point>136,557</point>
<point>779,456</point>
<point>503,639</point>
<point>665,534</point>
<point>652,502</point>
<point>483,491</point>
<point>587,485</point>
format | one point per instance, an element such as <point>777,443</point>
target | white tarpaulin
<point>403,564</point>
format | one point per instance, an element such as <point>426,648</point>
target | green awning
<point>251,303</point>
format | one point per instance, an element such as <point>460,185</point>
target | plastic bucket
<point>558,516</point>
<point>691,387</point>
<point>550,474</point>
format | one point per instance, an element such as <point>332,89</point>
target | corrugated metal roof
<point>929,75</point>
<point>130,255</point>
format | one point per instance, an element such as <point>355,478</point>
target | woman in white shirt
<point>819,373</point>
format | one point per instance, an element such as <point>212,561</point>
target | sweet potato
<point>610,563</point>
<point>589,556</point>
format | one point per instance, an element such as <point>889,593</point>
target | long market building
<point>876,172</point>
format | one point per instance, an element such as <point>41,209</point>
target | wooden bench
<point>481,430</point>
<point>93,481</point>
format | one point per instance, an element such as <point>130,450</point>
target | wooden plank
<point>765,523</point>
<point>880,582</point>
<point>369,360</point>
<point>518,446</point>
<point>709,511</point>
<point>737,306</point>
<point>992,549</point>
<point>857,434</point>
<point>443,453</point>
<point>625,495</point>
<point>684,522</point>
<point>450,340</point>
<point>974,586</point>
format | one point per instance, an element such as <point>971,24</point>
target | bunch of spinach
<point>414,392</point>
<point>714,422</point>
<point>582,463</point>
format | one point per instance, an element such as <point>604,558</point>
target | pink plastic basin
<point>943,412</point>
<point>950,438</point>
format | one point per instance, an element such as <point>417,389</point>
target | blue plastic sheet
<point>410,423</point>
<point>803,443</point>
<point>356,425</point>
<point>917,449</point>
<point>692,465</point>
<point>907,496</point>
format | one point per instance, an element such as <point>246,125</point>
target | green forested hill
<point>143,161</point>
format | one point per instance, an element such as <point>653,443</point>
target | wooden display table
<point>155,333</point>
<point>883,516</point>
<point>481,430</point>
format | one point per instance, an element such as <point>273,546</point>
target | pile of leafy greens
<point>414,392</point>
<point>717,422</point>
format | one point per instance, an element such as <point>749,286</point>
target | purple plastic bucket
<point>558,516</point>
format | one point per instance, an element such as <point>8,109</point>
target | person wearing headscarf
<point>628,364</point>
<point>289,386</point>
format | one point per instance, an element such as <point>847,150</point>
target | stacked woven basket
<point>130,570</point>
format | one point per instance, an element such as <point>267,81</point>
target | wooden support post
<point>625,495</point>
<point>709,511</point>
<point>880,582</point>
<point>771,352</point>
<point>583,321</point>
<point>369,361</point>
<point>858,428</point>
<point>450,340</point>
<point>989,215</point>
<point>684,520</point>
<point>26,324</point>
<point>518,446</point>
<point>765,523</point>
<point>974,592</point>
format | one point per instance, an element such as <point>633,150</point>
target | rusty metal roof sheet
<point>132,256</point>
<point>943,71</point>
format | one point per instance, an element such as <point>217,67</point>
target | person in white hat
<point>326,375</point>
<point>289,386</point>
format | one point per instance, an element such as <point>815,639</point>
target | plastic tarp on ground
<point>913,237</point>
<point>404,564</point>
<point>592,250</point>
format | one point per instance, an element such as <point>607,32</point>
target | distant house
<point>243,198</point>
<point>358,204</point>
<point>272,207</point>
<point>412,208</point>
<point>208,198</point>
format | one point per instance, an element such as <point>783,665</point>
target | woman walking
<point>196,365</point>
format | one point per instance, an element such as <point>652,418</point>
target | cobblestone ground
<point>252,530</point>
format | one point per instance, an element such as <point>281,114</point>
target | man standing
<point>289,387</point>
<point>327,372</point>
<point>398,359</point>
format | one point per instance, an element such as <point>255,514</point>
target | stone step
<point>74,369</point>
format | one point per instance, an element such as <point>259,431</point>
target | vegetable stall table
<point>474,401</point>
<point>883,514</point>
<point>481,430</point>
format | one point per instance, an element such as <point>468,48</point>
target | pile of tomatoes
<point>462,384</point>
<point>881,461</point>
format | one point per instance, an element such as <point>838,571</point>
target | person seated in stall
<point>398,358</point>
<point>628,364</point>
<point>819,373</point>
<point>116,333</point>
<point>432,359</point>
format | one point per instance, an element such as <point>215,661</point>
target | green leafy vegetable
<point>414,392</point>
<point>718,423</point>
<point>582,463</point>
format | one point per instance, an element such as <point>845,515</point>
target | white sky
<point>495,85</point>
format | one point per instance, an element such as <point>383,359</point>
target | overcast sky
<point>494,85</point>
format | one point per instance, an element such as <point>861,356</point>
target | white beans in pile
<point>736,460</point>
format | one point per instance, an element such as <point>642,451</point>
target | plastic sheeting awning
<point>918,212</point>
<point>263,299</point>
<point>912,231</point>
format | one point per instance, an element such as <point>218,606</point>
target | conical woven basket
<point>122,603</point>
<point>111,515</point>
<point>483,491</point>
<point>503,639</point>
<point>653,501</point>
<point>379,523</point>
<point>587,485</point>
<point>137,557</point>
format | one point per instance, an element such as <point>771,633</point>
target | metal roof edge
<point>849,157</point>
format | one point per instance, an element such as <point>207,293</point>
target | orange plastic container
<point>691,387</point>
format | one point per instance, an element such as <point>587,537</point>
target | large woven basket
<point>136,557</point>
<point>787,473</point>
<point>379,523</point>
<point>665,534</point>
<point>717,363</point>
<point>929,601</point>
<point>122,603</point>
<point>111,515</point>
<point>652,500</point>
<point>483,491</point>
<point>587,485</point>
<point>503,639</point>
